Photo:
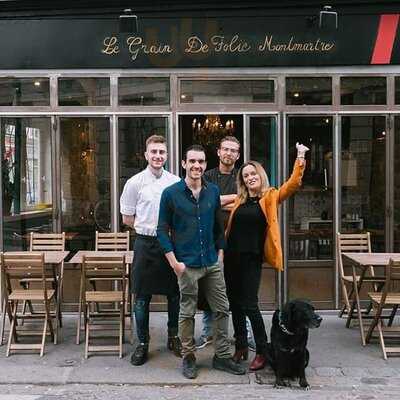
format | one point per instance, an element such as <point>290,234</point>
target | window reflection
<point>84,91</point>
<point>311,91</point>
<point>24,92</point>
<point>27,176</point>
<point>363,177</point>
<point>363,90</point>
<point>85,179</point>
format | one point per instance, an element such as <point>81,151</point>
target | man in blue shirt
<point>190,233</point>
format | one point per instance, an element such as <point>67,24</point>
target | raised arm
<point>294,181</point>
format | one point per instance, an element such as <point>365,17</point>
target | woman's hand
<point>301,152</point>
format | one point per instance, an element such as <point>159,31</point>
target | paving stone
<point>328,372</point>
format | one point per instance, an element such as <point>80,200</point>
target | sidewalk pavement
<point>337,359</point>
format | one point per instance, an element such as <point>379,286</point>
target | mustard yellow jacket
<point>269,204</point>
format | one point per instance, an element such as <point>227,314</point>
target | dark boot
<point>140,355</point>
<point>228,365</point>
<point>189,368</point>
<point>174,344</point>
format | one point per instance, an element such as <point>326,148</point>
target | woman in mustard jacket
<point>253,237</point>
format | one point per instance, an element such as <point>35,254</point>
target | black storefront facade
<point>82,88</point>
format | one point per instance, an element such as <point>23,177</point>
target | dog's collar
<point>282,325</point>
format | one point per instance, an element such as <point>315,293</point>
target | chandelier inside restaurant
<point>212,130</point>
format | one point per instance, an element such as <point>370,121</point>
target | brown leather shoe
<point>258,362</point>
<point>241,354</point>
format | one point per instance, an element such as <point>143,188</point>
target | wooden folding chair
<point>389,297</point>
<point>111,267</point>
<point>354,242</point>
<point>47,242</point>
<point>27,265</point>
<point>106,241</point>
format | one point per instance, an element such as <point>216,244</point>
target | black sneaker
<point>139,356</point>
<point>228,365</point>
<point>189,369</point>
<point>174,344</point>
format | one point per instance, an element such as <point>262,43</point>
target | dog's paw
<point>304,384</point>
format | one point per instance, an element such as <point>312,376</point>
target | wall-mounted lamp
<point>327,16</point>
<point>128,22</point>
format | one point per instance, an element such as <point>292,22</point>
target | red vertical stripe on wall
<point>385,39</point>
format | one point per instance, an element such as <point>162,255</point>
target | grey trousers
<point>212,283</point>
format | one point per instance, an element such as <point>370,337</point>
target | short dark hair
<point>194,147</point>
<point>229,139</point>
<point>155,139</point>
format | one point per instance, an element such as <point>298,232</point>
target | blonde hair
<point>243,193</point>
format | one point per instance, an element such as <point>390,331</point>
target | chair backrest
<point>47,241</point>
<point>25,264</point>
<point>352,243</point>
<point>114,241</point>
<point>392,275</point>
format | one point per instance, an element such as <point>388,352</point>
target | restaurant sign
<point>186,42</point>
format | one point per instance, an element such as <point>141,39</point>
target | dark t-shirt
<point>226,184</point>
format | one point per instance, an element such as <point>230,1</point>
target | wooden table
<point>363,261</point>
<point>78,257</point>
<point>55,258</point>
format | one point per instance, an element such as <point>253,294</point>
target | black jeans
<point>243,276</point>
<point>141,311</point>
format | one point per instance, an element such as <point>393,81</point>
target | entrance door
<point>311,272</point>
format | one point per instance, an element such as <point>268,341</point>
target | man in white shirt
<point>151,273</point>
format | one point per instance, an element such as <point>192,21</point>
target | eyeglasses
<point>227,149</point>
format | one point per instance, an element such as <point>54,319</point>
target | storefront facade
<point>79,96</point>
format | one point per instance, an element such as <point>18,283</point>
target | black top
<point>247,234</point>
<point>226,184</point>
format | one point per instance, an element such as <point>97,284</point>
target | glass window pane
<point>208,130</point>
<point>363,90</point>
<point>85,179</point>
<point>363,173</point>
<point>133,133</point>
<point>310,91</point>
<point>143,91</point>
<point>26,177</point>
<point>263,144</point>
<point>396,169</point>
<point>397,90</point>
<point>24,92</point>
<point>83,92</point>
<point>227,91</point>
<point>311,208</point>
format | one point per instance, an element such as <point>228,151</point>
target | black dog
<point>287,352</point>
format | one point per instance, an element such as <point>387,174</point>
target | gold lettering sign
<point>217,44</point>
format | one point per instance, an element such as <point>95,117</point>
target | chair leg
<point>346,305</point>
<point>3,321</point>
<point>381,339</point>
<point>13,332</point>
<point>87,330</point>
<point>374,323</point>
<point>78,328</point>
<point>392,315</point>
<point>96,305</point>
<point>43,336</point>
<point>121,327</point>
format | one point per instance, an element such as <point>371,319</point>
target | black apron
<point>151,272</point>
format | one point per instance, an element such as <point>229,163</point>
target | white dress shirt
<point>141,198</point>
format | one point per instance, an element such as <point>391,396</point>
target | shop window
<point>26,179</point>
<point>397,90</point>
<point>363,90</point>
<point>227,91</point>
<point>84,92</point>
<point>24,92</point>
<point>308,91</point>
<point>143,91</point>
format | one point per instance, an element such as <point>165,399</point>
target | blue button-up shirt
<point>191,228</point>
